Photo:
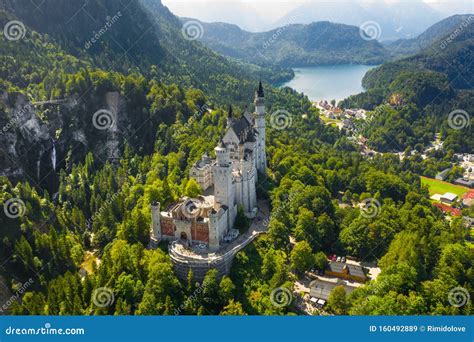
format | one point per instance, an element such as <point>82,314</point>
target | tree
<point>226,289</point>
<point>337,301</point>
<point>233,309</point>
<point>122,308</point>
<point>320,260</point>
<point>306,227</point>
<point>279,232</point>
<point>190,282</point>
<point>327,232</point>
<point>169,307</point>
<point>192,188</point>
<point>302,258</point>
<point>241,221</point>
<point>210,292</point>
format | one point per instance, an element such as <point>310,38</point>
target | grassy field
<point>440,187</point>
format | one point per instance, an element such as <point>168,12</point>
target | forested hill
<point>116,134</point>
<point>423,89</point>
<point>129,38</point>
<point>450,55</point>
<point>294,45</point>
<point>73,59</point>
<point>434,33</point>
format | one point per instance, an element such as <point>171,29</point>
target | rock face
<point>5,295</point>
<point>37,139</point>
<point>24,138</point>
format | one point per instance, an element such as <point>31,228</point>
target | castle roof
<point>247,115</point>
<point>251,135</point>
<point>221,144</point>
<point>240,126</point>
<point>203,162</point>
<point>260,90</point>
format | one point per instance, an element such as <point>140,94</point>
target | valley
<point>155,165</point>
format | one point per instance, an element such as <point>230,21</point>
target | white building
<point>448,197</point>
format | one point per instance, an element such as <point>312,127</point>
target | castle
<point>229,181</point>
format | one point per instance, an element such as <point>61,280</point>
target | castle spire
<point>260,90</point>
<point>230,116</point>
<point>221,143</point>
<point>259,126</point>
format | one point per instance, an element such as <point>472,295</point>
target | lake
<point>329,82</point>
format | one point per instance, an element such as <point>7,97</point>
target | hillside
<point>101,122</point>
<point>141,68</point>
<point>294,45</point>
<point>423,89</point>
<point>434,33</point>
<point>134,39</point>
<point>449,56</point>
<point>395,19</point>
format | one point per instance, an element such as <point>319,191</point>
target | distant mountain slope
<point>66,67</point>
<point>294,45</point>
<point>396,19</point>
<point>434,33</point>
<point>131,38</point>
<point>450,52</point>
<point>422,91</point>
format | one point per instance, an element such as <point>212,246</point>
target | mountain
<point>141,36</point>
<point>95,127</point>
<point>75,59</point>
<point>393,19</point>
<point>434,33</point>
<point>423,90</point>
<point>294,45</point>
<point>449,49</point>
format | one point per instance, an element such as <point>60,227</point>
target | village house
<point>346,271</point>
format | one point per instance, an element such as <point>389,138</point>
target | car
<point>202,246</point>
<point>338,259</point>
<point>343,259</point>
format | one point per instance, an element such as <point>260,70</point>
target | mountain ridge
<point>294,45</point>
<point>69,82</point>
<point>436,32</point>
<point>394,19</point>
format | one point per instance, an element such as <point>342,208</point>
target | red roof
<point>447,209</point>
<point>469,194</point>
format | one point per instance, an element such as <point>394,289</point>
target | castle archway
<point>183,236</point>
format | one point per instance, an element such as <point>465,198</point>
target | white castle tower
<point>224,190</point>
<point>260,127</point>
<point>155,222</point>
